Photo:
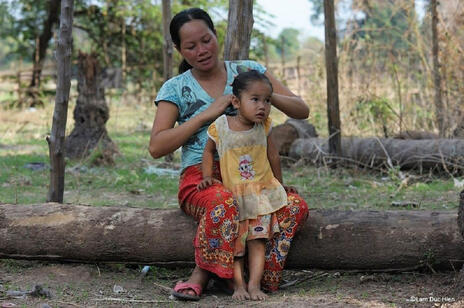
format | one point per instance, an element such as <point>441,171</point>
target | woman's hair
<point>182,18</point>
<point>243,80</point>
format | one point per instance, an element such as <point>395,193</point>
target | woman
<point>194,99</point>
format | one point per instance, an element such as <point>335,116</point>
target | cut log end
<point>461,213</point>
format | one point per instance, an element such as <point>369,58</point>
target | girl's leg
<point>290,220</point>
<point>256,251</point>
<point>216,213</point>
<point>240,291</point>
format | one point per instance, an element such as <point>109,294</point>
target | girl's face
<point>254,103</point>
<point>198,45</point>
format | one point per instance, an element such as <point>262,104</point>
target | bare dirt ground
<point>92,285</point>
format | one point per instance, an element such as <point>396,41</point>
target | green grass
<point>22,141</point>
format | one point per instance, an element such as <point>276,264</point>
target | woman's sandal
<point>182,286</point>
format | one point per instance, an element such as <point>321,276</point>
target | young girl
<point>250,169</point>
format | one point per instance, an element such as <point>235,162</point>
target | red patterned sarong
<point>216,212</point>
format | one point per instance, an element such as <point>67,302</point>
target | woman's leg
<point>256,251</point>
<point>290,219</point>
<point>216,212</point>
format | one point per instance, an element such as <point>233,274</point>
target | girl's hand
<point>207,182</point>
<point>218,107</point>
<point>290,189</point>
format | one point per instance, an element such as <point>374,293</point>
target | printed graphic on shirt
<point>245,167</point>
<point>193,104</point>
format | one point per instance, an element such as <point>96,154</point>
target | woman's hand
<point>217,107</point>
<point>286,101</point>
<point>207,182</point>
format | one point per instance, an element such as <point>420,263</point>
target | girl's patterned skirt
<point>216,212</point>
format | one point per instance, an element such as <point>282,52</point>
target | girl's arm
<point>274,159</point>
<point>165,138</point>
<point>207,165</point>
<point>208,157</point>
<point>286,101</point>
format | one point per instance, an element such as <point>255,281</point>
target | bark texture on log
<point>459,284</point>
<point>367,240</point>
<point>461,213</point>
<point>375,152</point>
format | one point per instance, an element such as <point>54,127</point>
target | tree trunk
<point>56,140</point>
<point>40,49</point>
<point>90,114</point>
<point>333,111</point>
<point>167,52</point>
<point>239,27</point>
<point>330,239</point>
<point>432,154</point>
<point>439,108</point>
<point>167,42</point>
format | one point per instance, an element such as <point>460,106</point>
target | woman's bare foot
<point>199,276</point>
<point>240,294</point>
<point>256,294</point>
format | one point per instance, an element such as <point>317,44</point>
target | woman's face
<point>198,45</point>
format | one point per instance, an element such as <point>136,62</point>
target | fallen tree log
<point>436,154</point>
<point>331,239</point>
<point>284,134</point>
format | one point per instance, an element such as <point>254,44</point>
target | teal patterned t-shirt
<point>190,98</point>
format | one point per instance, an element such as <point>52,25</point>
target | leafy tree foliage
<point>121,33</point>
<point>287,43</point>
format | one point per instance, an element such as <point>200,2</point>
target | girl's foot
<point>256,294</point>
<point>240,294</point>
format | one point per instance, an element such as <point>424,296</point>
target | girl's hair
<point>243,80</point>
<point>182,18</point>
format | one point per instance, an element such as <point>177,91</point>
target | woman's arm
<point>274,159</point>
<point>286,101</point>
<point>165,138</point>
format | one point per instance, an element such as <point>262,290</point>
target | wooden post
<point>239,27</point>
<point>167,52</point>
<point>333,111</point>
<point>123,49</point>
<point>56,139</point>
<point>439,108</point>
<point>282,55</point>
<point>167,45</point>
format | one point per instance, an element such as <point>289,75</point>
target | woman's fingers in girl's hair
<point>218,106</point>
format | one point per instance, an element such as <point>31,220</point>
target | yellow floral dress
<point>247,173</point>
